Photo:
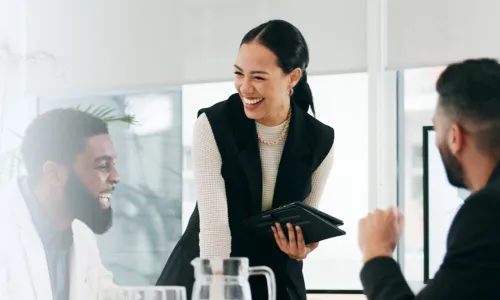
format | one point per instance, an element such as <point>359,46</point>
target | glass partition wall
<point>157,194</point>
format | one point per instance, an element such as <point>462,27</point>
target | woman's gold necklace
<point>282,134</point>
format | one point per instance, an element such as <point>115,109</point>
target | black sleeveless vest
<point>306,146</point>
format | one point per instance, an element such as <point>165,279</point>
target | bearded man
<point>49,218</point>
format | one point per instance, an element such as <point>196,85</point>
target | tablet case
<point>315,224</point>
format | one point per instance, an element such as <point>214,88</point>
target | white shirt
<point>24,274</point>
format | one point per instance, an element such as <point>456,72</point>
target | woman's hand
<point>294,246</point>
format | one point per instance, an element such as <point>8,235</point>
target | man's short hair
<point>58,135</point>
<point>469,93</point>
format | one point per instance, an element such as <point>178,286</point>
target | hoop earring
<point>290,93</point>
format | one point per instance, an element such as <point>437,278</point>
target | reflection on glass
<point>154,110</point>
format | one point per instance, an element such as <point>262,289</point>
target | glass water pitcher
<point>227,279</point>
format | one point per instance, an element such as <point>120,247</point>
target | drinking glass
<point>143,293</point>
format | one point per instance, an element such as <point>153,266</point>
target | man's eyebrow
<point>104,157</point>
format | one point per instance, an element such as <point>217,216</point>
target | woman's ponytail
<point>302,94</point>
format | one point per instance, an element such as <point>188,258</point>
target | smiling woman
<point>268,74</point>
<point>257,150</point>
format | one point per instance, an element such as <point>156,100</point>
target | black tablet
<point>316,225</point>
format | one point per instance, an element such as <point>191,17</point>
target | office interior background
<point>373,65</point>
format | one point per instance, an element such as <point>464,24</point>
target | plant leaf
<point>106,114</point>
<point>125,119</point>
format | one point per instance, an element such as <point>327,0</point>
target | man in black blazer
<point>467,124</point>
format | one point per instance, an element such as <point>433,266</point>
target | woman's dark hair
<point>288,44</point>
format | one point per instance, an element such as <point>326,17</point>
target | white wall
<point>126,44</point>
<point>429,33</point>
<point>87,47</point>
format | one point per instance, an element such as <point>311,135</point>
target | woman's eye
<point>237,73</point>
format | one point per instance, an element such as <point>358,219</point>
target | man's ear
<point>455,139</point>
<point>54,173</point>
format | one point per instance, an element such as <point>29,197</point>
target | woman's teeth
<point>252,101</point>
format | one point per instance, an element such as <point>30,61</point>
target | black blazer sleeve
<point>471,267</point>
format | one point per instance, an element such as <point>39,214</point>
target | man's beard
<point>453,168</point>
<point>85,207</point>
